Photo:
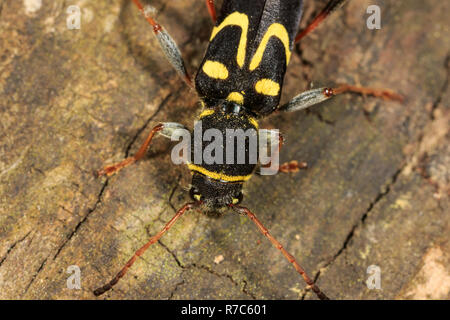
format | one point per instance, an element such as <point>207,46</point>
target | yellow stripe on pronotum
<point>235,19</point>
<point>217,175</point>
<point>275,30</point>
<point>253,122</point>
<point>215,70</point>
<point>206,112</point>
<point>267,87</point>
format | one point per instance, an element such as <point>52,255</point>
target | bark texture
<point>376,191</point>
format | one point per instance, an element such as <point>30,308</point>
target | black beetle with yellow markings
<point>238,82</point>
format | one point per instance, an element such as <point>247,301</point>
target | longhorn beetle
<point>239,81</point>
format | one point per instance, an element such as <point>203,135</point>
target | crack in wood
<point>12,247</point>
<point>382,194</point>
<point>243,286</point>
<point>444,88</point>
<point>69,237</point>
<point>35,275</point>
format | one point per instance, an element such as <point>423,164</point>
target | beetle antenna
<point>141,251</point>
<point>289,257</point>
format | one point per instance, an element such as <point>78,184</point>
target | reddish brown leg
<point>332,5</point>
<point>138,253</point>
<point>293,166</point>
<point>289,257</point>
<point>211,10</point>
<point>168,45</point>
<point>110,170</point>
<point>385,94</point>
<point>155,25</point>
<point>314,96</point>
<point>280,144</point>
<point>287,167</point>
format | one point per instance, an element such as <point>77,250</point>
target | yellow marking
<point>206,113</point>
<point>236,97</point>
<point>235,200</point>
<point>215,69</point>
<point>253,122</point>
<point>217,175</point>
<point>275,30</point>
<point>267,87</point>
<point>240,20</point>
<point>197,197</point>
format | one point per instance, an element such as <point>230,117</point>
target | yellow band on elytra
<point>215,69</point>
<point>275,30</point>
<point>236,97</point>
<point>235,19</point>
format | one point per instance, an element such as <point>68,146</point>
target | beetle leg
<point>211,10</point>
<point>311,97</point>
<point>267,138</point>
<point>293,166</point>
<point>329,8</point>
<point>306,99</point>
<point>385,94</point>
<point>168,45</point>
<point>165,129</point>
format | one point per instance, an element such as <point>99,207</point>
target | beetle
<point>238,82</point>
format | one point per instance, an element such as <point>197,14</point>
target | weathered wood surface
<point>376,191</point>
